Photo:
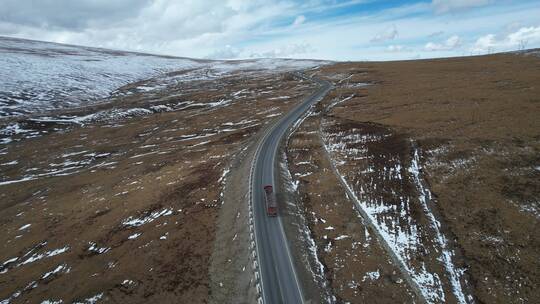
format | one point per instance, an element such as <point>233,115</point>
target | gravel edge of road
<point>231,275</point>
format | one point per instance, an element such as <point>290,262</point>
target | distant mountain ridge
<point>41,76</point>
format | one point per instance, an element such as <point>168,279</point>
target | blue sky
<point>324,29</point>
<point>389,30</point>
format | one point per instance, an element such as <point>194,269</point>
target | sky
<point>319,29</point>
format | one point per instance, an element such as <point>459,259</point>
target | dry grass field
<point>418,180</point>
<point>463,133</point>
<point>125,209</point>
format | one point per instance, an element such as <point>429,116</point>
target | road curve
<point>278,279</point>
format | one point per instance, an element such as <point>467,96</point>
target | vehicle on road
<point>271,204</point>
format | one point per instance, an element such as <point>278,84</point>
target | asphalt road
<point>279,282</point>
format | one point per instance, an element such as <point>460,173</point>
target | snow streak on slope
<point>383,172</point>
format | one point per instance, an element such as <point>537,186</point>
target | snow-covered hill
<point>38,76</point>
<point>41,76</point>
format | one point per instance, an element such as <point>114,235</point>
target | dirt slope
<point>472,124</point>
<point>126,208</point>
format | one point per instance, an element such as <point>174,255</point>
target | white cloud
<point>450,44</point>
<point>289,50</point>
<point>244,28</point>
<point>228,52</point>
<point>396,48</point>
<point>69,15</point>
<point>485,44</point>
<point>183,28</point>
<point>448,6</point>
<point>436,34</point>
<point>524,34</point>
<point>390,33</point>
<point>522,38</point>
<point>299,20</point>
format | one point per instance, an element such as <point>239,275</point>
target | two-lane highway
<point>279,282</point>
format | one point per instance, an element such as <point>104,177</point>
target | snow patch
<point>24,227</point>
<point>95,249</point>
<point>136,222</point>
<point>372,276</point>
<point>62,268</point>
<point>91,300</point>
<point>47,254</point>
<point>134,236</point>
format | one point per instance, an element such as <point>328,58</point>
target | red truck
<point>271,204</point>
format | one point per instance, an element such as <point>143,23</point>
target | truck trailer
<point>271,204</point>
